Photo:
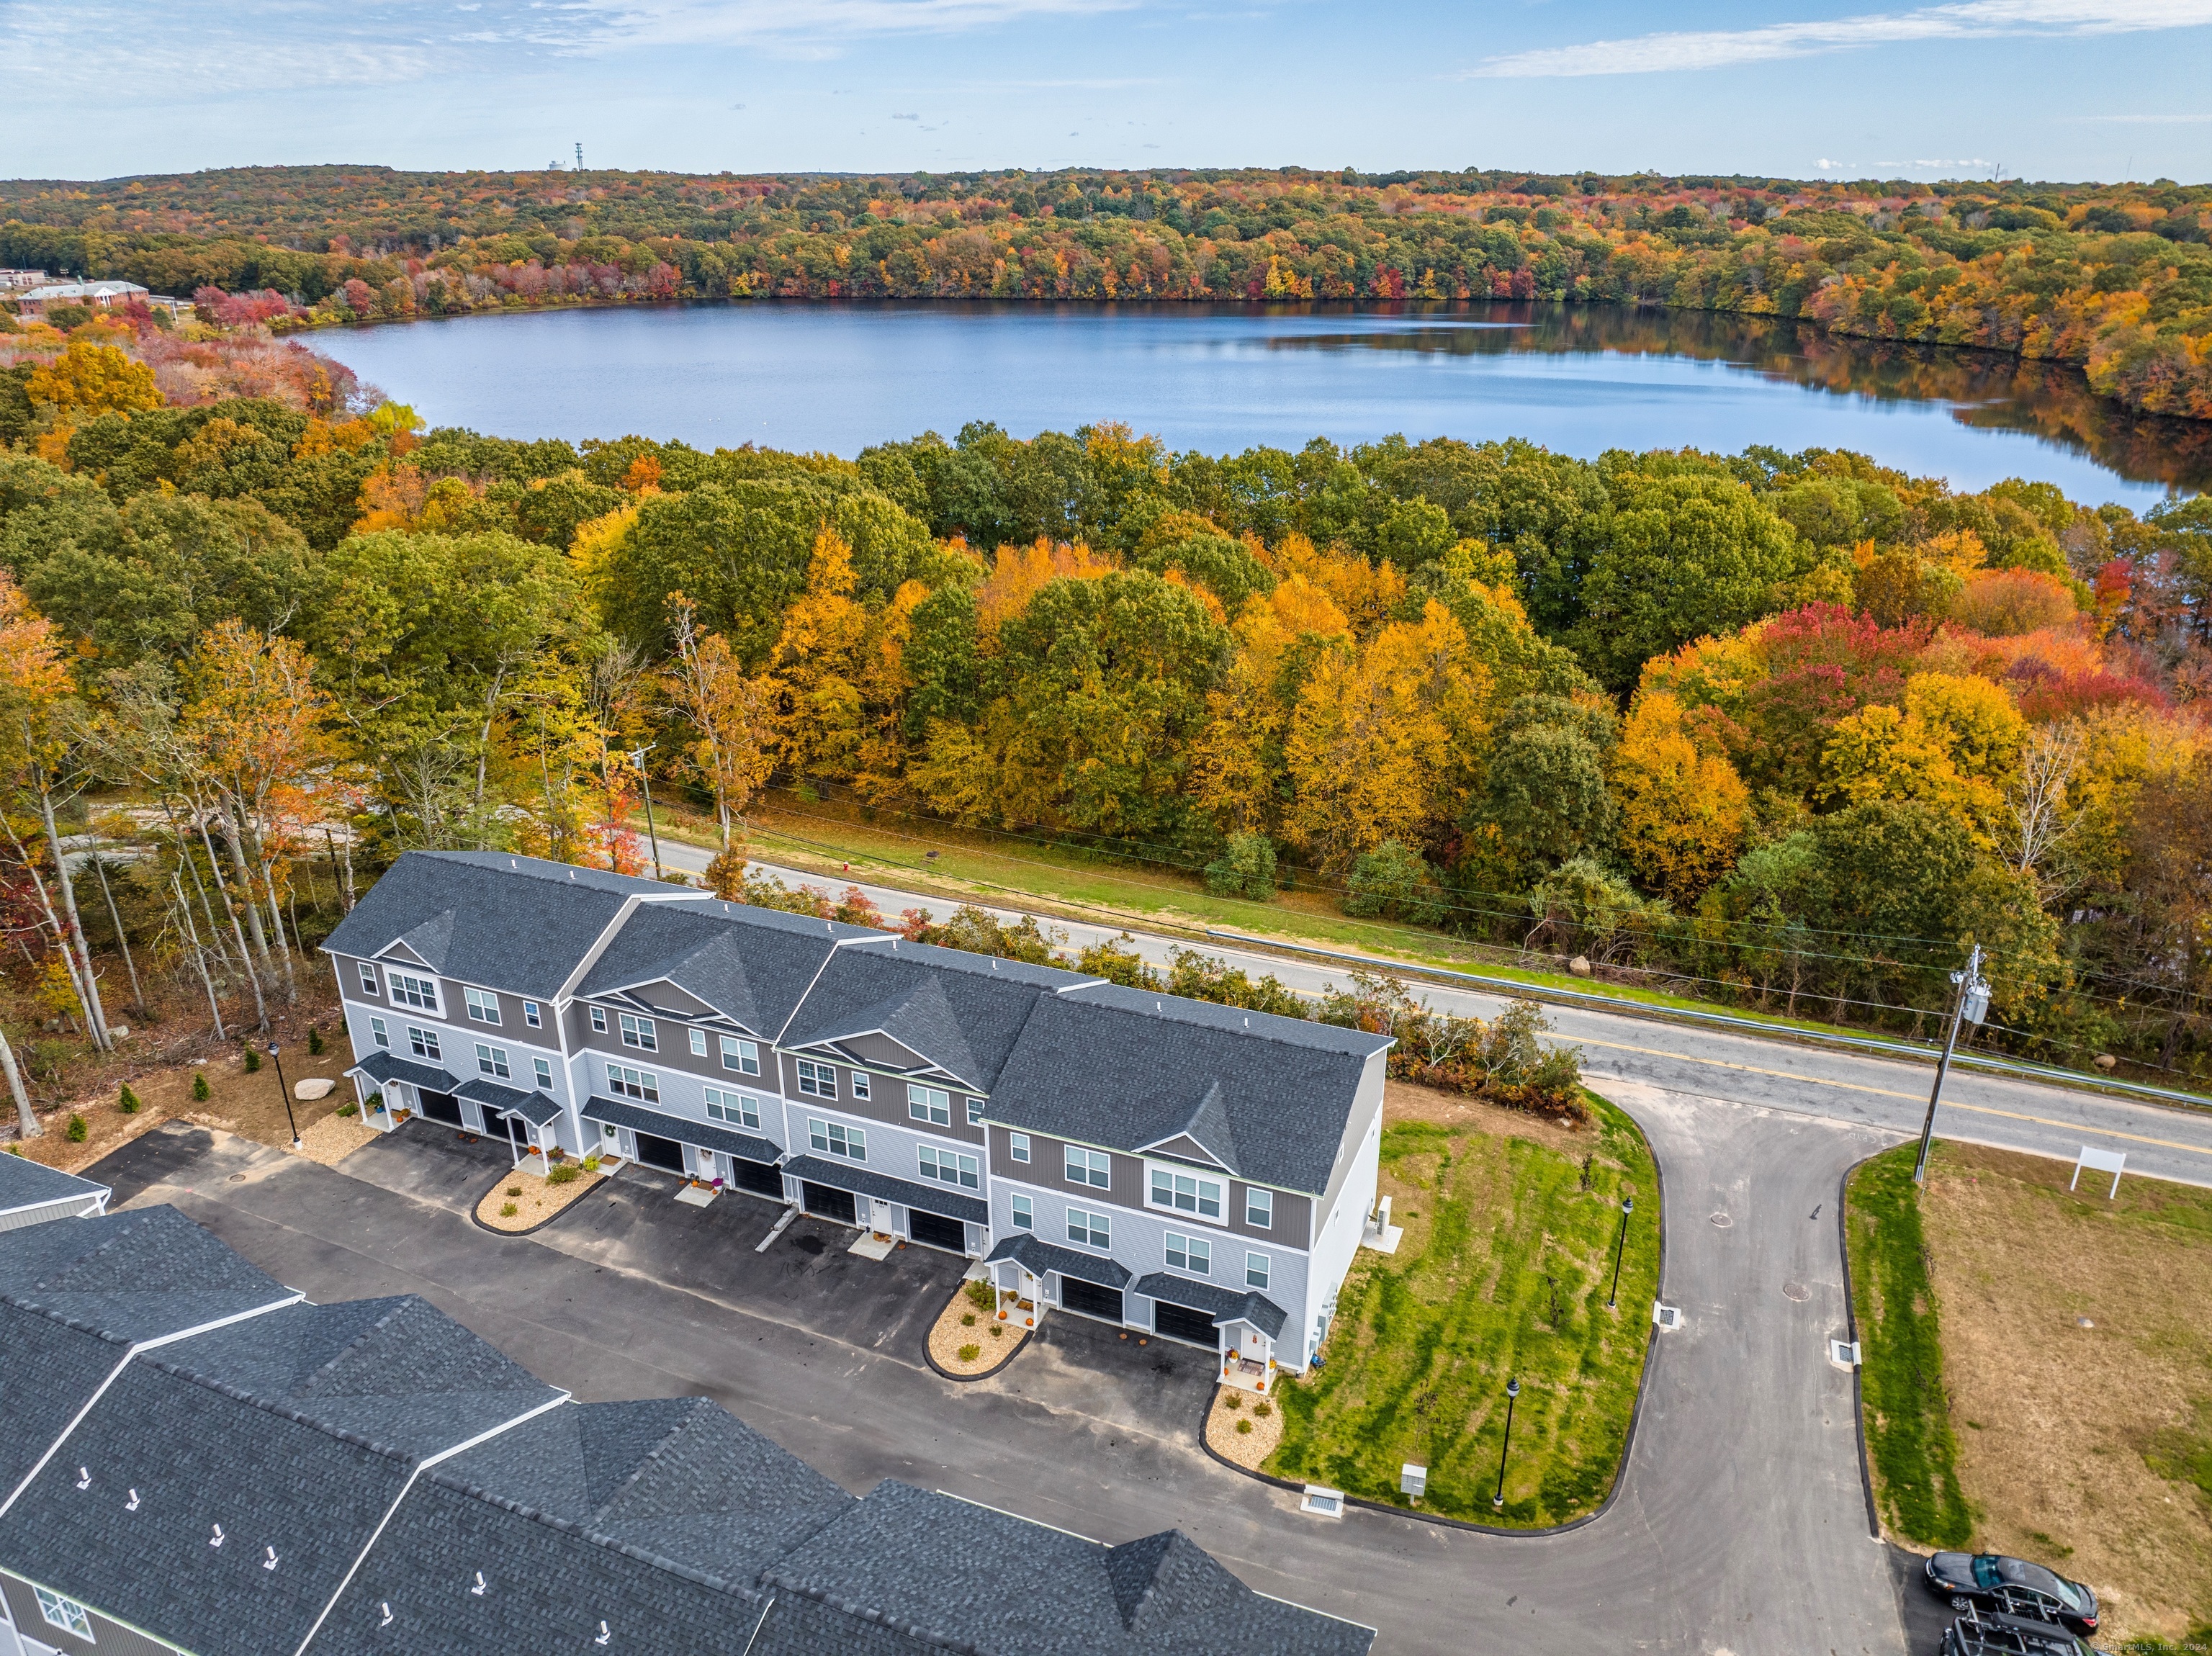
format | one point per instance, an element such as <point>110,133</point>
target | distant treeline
<point>2117,280</point>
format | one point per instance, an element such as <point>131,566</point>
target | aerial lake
<point>838,377</point>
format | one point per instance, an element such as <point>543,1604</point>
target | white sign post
<point>2110,1161</point>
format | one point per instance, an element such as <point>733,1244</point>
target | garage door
<point>657,1152</point>
<point>935,1230</point>
<point>828,1203</point>
<point>440,1106</point>
<point>1180,1322</point>
<point>762,1178</point>
<point>1090,1299</point>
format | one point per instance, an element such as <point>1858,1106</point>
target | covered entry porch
<point>887,1207</point>
<point>402,1088</point>
<point>1031,1274</point>
<point>524,1119</point>
<point>1242,1328</point>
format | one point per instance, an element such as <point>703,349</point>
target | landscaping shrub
<point>508,1210</point>
<point>967,1319</point>
<point>1502,1060</point>
<point>985,1297</point>
<point>349,1109</point>
<point>315,1042</point>
<point>1246,868</point>
<point>127,1100</point>
<point>200,1089</point>
<point>590,1164</point>
<point>1264,1409</point>
<point>1231,1400</point>
<point>969,1352</point>
<point>563,1173</point>
<point>76,1131</point>
<point>1242,1426</point>
<point>997,1332</point>
<point>515,1190</point>
<point>253,1060</point>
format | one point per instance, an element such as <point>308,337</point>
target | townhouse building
<point>1195,1171</point>
<point>195,1461</point>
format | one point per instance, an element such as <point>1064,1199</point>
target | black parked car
<point>1995,1635</point>
<point>2013,1586</point>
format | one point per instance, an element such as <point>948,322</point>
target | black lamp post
<point>1628,1207</point>
<point>287,1091</point>
<point>1512,1391</point>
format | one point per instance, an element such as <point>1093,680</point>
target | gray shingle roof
<point>381,1067</point>
<point>751,964</point>
<point>906,1570</point>
<point>1224,1304</point>
<point>53,1369</point>
<point>865,1181</point>
<point>681,1129</point>
<point>27,1183</point>
<point>513,922</point>
<point>1125,1069</point>
<point>963,1012</point>
<point>534,1107</point>
<point>134,1276</point>
<point>1043,1257</point>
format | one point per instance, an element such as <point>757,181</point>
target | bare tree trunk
<point>260,1006</point>
<point>276,921</point>
<point>484,742</point>
<point>184,853</point>
<point>53,922</point>
<point>137,996</point>
<point>199,957</point>
<point>27,1121</point>
<point>235,837</point>
<point>73,937</point>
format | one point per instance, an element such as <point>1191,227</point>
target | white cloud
<point>1968,20</point>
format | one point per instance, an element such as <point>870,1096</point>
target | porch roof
<point>613,1111</point>
<point>381,1067</point>
<point>1042,1257</point>
<point>1224,1304</point>
<point>534,1107</point>
<point>843,1175</point>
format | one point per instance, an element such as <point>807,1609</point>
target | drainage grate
<point>1322,1503</point>
<point>1667,1316</point>
<point>1845,1354</point>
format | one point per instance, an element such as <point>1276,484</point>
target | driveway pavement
<point>1741,1526</point>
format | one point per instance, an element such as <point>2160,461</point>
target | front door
<point>657,1152</point>
<point>880,1215</point>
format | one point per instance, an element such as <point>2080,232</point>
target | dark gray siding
<point>108,1638</point>
<point>886,1102</point>
<point>1048,1167</point>
<point>674,1055</point>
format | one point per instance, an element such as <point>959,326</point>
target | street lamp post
<point>637,758</point>
<point>1628,1207</point>
<point>1512,1391</point>
<point>278,1061</point>
<point>1972,1006</point>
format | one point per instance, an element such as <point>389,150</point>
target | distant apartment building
<point>94,295</point>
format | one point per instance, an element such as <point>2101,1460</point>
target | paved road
<point>1885,1094</point>
<point>1740,1527</point>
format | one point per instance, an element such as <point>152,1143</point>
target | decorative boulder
<point>311,1089</point>
<point>1579,966</point>
<point>2106,1061</point>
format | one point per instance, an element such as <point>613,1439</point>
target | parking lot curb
<point>1627,1443</point>
<point>996,1369</point>
<point>530,1230</point>
<point>1851,1327</point>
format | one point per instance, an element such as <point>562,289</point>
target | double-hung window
<point>818,1080</point>
<point>1191,1254</point>
<point>928,1104</point>
<point>492,1060</point>
<point>1255,1270</point>
<point>835,1138</point>
<point>544,1071</point>
<point>382,1035</point>
<point>860,1083</point>
<point>950,1166</point>
<point>1187,1193</point>
<point>626,1083</point>
<point>741,1055</point>
<point>698,1043</point>
<point>66,1614</point>
<point>734,1107</point>
<point>1259,1208</point>
<point>1025,1214</point>
<point>484,1006</point>
<point>638,1032</point>
<point>423,1043</point>
<point>1088,1167</point>
<point>369,979</point>
<point>530,1015</point>
<point>974,1112</point>
<point>598,1020</point>
<point>1092,1229</point>
<point>414,992</point>
<point>1017,1146</point>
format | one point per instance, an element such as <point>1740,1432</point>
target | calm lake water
<point>837,377</point>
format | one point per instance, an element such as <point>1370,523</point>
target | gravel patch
<point>1232,1408</point>
<point>963,1323</point>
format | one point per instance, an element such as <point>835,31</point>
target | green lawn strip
<point>1503,1273</point>
<point>1909,1442</point>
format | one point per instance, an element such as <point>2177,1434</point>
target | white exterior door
<point>880,1215</point>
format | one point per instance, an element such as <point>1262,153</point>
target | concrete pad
<point>693,1196</point>
<point>871,1248</point>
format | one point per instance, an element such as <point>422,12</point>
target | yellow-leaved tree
<point>1954,745</point>
<point>1681,804</point>
<point>88,379</point>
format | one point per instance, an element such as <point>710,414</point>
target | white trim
<point>153,1344</point>
<point>840,943</point>
<point>567,992</point>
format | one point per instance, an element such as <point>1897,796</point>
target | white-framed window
<point>483,1005</point>
<point>369,979</point>
<point>860,1083</point>
<point>545,1072</point>
<point>530,1015</point>
<point>1186,1193</point>
<point>698,1043</point>
<point>598,1020</point>
<point>974,1112</point>
<point>423,1043</point>
<point>638,1032</point>
<point>741,1055</point>
<point>1259,1208</point>
<point>492,1060</point>
<point>1025,1214</point>
<point>735,1107</point>
<point>818,1080</point>
<point>929,1104</point>
<point>1017,1146</point>
<point>1255,1270</point>
<point>1089,1168</point>
<point>1191,1254</point>
<point>379,1033</point>
<point>950,1166</point>
<point>835,1138</point>
<point>627,1083</point>
<point>1092,1229</point>
<point>414,992</point>
<point>66,1614</point>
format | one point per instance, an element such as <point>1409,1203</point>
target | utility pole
<point>1972,1005</point>
<point>637,758</point>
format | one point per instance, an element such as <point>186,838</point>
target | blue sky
<point>2043,88</point>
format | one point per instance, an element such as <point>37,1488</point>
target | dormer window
<point>1186,1192</point>
<point>414,992</point>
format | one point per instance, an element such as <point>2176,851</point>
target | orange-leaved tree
<point>731,714</point>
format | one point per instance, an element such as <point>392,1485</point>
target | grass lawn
<point>2065,1414</point>
<point>1503,1273</point>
